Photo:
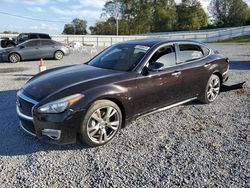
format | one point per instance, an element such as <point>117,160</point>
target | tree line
<point>147,16</point>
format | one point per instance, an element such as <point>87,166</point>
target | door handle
<point>207,65</point>
<point>176,73</point>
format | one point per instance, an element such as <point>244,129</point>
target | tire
<point>58,55</point>
<point>14,58</point>
<point>212,89</point>
<point>97,128</point>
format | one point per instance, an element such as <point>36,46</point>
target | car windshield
<point>121,57</point>
<point>22,37</point>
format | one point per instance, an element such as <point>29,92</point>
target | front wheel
<point>212,89</point>
<point>101,123</point>
<point>14,58</point>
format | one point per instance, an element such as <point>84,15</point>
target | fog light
<point>52,133</point>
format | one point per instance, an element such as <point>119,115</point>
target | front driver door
<point>160,88</point>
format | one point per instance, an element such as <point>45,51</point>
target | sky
<point>58,12</point>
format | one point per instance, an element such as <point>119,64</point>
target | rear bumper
<point>225,75</point>
<point>66,51</point>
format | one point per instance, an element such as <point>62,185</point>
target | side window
<point>43,36</point>
<point>47,43</point>
<point>165,55</point>
<point>33,36</point>
<point>189,52</point>
<point>31,44</point>
<point>22,37</point>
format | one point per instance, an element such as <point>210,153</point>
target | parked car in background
<point>6,42</point>
<point>125,81</point>
<point>22,37</point>
<point>34,49</point>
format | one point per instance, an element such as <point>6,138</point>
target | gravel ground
<point>193,145</point>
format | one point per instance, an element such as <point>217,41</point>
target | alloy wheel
<point>213,89</point>
<point>58,55</point>
<point>103,124</point>
<point>14,58</point>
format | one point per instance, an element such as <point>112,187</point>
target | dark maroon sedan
<point>127,80</point>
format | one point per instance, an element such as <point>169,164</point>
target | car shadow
<point>240,65</point>
<point>13,140</point>
<point>224,88</point>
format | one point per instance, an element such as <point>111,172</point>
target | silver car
<point>34,49</point>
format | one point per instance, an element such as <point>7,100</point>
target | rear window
<point>33,36</point>
<point>190,52</point>
<point>44,36</point>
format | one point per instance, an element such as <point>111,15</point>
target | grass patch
<point>242,39</point>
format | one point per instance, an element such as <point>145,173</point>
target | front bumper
<point>4,57</point>
<point>52,128</point>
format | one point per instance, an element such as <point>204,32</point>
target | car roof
<point>39,39</point>
<point>34,33</point>
<point>154,41</point>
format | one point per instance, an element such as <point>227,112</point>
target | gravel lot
<point>193,145</point>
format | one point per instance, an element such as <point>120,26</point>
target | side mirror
<point>21,47</point>
<point>155,66</point>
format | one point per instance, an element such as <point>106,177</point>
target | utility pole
<point>117,24</point>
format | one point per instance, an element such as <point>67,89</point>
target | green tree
<point>76,27</point>
<point>68,29</point>
<point>228,13</point>
<point>164,15</point>
<point>191,15</point>
<point>107,27</point>
<point>248,17</point>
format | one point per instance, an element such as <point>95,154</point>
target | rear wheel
<point>14,58</point>
<point>212,89</point>
<point>58,55</point>
<point>101,123</point>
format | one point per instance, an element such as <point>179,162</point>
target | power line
<point>29,18</point>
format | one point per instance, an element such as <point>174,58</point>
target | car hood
<point>54,80</point>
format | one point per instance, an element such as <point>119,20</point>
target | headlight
<point>60,105</point>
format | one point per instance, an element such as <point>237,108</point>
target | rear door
<point>161,88</point>
<point>47,48</point>
<point>195,68</point>
<point>31,50</point>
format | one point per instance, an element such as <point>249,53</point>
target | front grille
<point>25,107</point>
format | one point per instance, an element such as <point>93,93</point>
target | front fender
<point>113,92</point>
